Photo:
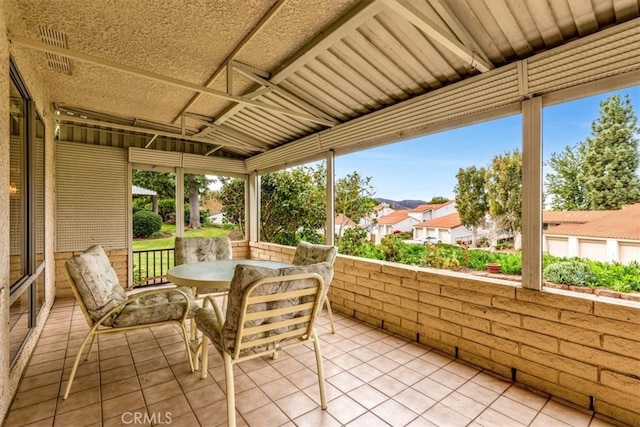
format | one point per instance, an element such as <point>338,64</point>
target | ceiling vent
<point>58,39</point>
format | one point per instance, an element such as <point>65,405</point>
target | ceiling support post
<point>532,193</point>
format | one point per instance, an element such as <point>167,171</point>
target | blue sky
<point>425,167</point>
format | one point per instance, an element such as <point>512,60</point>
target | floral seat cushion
<point>197,249</point>
<point>245,275</point>
<point>169,305</point>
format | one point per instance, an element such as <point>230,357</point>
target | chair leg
<point>231,394</point>
<point>323,389</point>
<point>328,305</point>
<point>204,355</point>
<point>93,340</point>
<point>187,344</point>
<point>76,362</point>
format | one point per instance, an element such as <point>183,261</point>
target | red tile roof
<point>430,206</point>
<point>342,219</point>
<point>446,221</point>
<point>579,217</point>
<point>394,217</point>
<point>620,224</point>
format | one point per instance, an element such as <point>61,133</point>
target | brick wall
<point>582,348</point>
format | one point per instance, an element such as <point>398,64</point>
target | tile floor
<point>373,379</point>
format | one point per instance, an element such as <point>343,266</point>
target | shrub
<point>145,223</point>
<point>570,273</point>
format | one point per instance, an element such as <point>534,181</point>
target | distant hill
<point>401,204</point>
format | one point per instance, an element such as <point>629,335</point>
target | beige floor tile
<point>463,404</point>
<point>442,415</point>
<point>186,420</point>
<point>278,388</point>
<point>394,413</point>
<point>118,388</point>
<point>117,406</point>
<point>263,375</point>
<point>44,368</point>
<point>406,375</point>
<point>84,416</point>
<point>268,415</point>
<point>478,393</point>
<point>566,414</point>
<point>364,354</point>
<point>36,395</point>
<point>345,409</point>
<point>162,391</point>
<point>515,410</point>
<point>41,380</point>
<point>81,383</point>
<point>491,417</point>
<point>389,385</point>
<point>345,381</point>
<point>171,408</point>
<point>158,376</point>
<point>296,404</point>
<point>204,396</point>
<point>368,419</point>
<point>117,374</point>
<point>532,400</point>
<point>30,414</point>
<point>78,400</point>
<point>317,418</point>
<point>367,396</point>
<point>251,400</point>
<point>414,400</point>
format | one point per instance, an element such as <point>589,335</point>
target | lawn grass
<point>169,232</point>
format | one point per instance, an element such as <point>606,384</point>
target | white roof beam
<point>460,31</point>
<point>79,56</point>
<point>129,128</point>
<point>247,71</point>
<point>348,22</point>
<point>432,30</point>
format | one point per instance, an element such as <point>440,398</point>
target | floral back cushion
<point>96,281</point>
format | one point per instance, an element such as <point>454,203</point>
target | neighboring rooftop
<point>619,224</point>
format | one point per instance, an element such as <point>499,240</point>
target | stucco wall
<point>10,378</point>
<point>582,348</point>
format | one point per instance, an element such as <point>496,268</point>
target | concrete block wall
<point>582,348</point>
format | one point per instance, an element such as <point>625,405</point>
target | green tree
<point>164,183</point>
<point>353,198</point>
<point>290,201</point>
<point>504,193</point>
<point>471,198</point>
<point>231,196</point>
<point>438,200</point>
<point>565,184</point>
<point>611,157</point>
<point>194,186</point>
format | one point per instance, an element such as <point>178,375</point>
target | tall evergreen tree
<point>611,157</point>
<point>471,198</point>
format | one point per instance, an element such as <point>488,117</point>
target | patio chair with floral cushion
<point>307,254</point>
<point>268,310</point>
<point>108,309</point>
<point>189,250</point>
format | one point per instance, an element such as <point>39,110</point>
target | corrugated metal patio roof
<point>277,82</point>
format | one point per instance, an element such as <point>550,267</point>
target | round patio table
<point>214,274</point>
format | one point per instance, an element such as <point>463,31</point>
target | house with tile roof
<point>399,220</point>
<point>447,229</point>
<point>342,223</point>
<point>429,211</point>
<point>598,235</point>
